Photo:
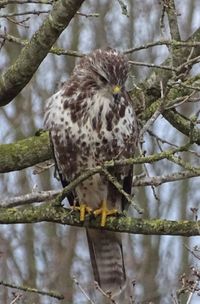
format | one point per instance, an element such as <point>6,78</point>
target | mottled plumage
<point>91,119</point>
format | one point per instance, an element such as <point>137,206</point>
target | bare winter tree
<point>48,262</point>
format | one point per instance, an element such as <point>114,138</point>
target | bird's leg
<point>104,211</point>
<point>83,208</point>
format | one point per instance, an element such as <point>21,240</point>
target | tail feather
<point>107,260</point>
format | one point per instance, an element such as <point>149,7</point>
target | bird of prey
<point>91,119</point>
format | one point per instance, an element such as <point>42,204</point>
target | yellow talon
<point>104,211</point>
<point>83,208</point>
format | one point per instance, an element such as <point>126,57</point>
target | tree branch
<point>19,74</point>
<point>29,198</point>
<point>24,153</point>
<point>42,196</point>
<point>53,50</point>
<point>6,2</point>
<point>33,150</point>
<point>173,22</point>
<point>53,294</point>
<point>150,88</point>
<point>50,213</point>
<point>180,122</point>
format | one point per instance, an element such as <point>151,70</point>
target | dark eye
<point>103,79</point>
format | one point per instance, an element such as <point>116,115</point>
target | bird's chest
<point>107,133</point>
<point>99,133</point>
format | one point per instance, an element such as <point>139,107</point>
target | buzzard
<point>91,120</point>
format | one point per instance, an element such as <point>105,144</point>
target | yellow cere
<point>116,89</point>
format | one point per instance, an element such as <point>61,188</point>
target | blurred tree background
<point>47,255</point>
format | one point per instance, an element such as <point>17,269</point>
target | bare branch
<point>33,150</point>
<point>25,153</point>
<point>159,180</point>
<point>42,196</point>
<point>17,297</point>
<point>82,290</point>
<point>172,17</point>
<point>19,74</point>
<point>52,294</point>
<point>185,44</point>
<point>119,187</point>
<point>152,65</point>
<point>29,198</point>
<point>33,12</point>
<point>6,2</point>
<point>53,50</point>
<point>60,51</point>
<point>108,296</point>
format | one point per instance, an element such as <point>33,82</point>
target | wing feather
<point>51,123</point>
<point>127,187</point>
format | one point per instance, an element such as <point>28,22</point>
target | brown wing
<point>127,182</point>
<point>127,187</point>
<point>64,182</point>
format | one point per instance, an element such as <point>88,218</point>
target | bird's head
<point>105,70</point>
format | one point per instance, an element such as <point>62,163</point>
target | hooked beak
<point>116,91</point>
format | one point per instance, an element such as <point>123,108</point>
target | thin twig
<point>162,179</point>
<point>179,83</point>
<point>52,294</point>
<point>88,15</point>
<point>138,181</point>
<point>155,115</point>
<point>53,50</point>
<point>183,164</point>
<point>106,295</point>
<point>6,2</point>
<point>162,42</point>
<point>33,197</point>
<point>123,162</point>
<point>152,65</point>
<point>119,187</point>
<point>163,141</point>
<point>46,195</point>
<point>33,12</point>
<point>192,292</point>
<point>17,297</point>
<point>147,173</point>
<point>82,290</point>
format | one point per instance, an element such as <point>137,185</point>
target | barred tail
<point>107,260</point>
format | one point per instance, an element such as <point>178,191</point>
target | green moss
<point>49,213</point>
<point>24,153</point>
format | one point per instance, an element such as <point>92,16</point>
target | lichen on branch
<point>24,153</point>
<point>49,212</point>
<point>19,74</point>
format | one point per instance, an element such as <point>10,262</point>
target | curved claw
<point>104,212</point>
<point>83,208</point>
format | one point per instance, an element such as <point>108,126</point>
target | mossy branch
<point>29,152</point>
<point>149,92</point>
<point>53,50</point>
<point>178,121</point>
<point>19,74</point>
<point>24,153</point>
<point>185,125</point>
<point>52,294</point>
<point>48,212</point>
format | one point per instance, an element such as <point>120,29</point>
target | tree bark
<point>20,73</point>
